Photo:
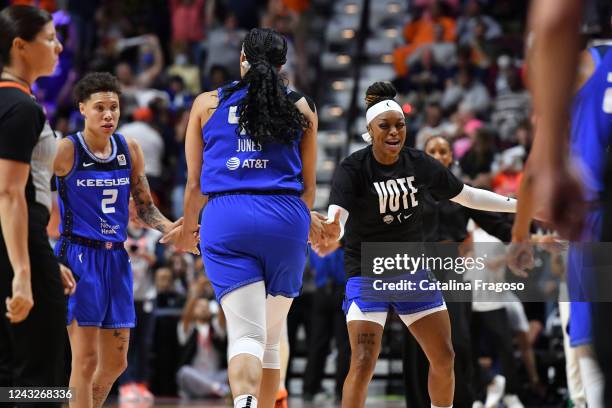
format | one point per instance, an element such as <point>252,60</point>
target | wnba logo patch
<point>233,163</point>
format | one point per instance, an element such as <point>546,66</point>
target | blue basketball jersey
<point>234,162</point>
<point>591,125</point>
<point>94,196</point>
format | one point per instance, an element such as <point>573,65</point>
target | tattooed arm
<point>139,186</point>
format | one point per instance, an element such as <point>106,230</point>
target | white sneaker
<point>477,404</point>
<point>512,401</point>
<point>495,391</point>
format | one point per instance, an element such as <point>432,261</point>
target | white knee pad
<point>246,320</point>
<point>277,308</point>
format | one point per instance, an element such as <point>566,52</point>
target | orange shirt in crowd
<point>418,33</point>
<point>507,183</point>
<point>48,5</point>
<point>297,5</point>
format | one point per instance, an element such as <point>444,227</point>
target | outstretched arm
<point>141,193</point>
<point>484,200</point>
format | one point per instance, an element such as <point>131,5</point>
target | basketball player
<point>566,193</point>
<point>97,170</point>
<point>381,187</point>
<point>251,154</point>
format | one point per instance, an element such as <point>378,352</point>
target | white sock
<point>245,401</point>
<point>592,381</point>
<point>435,406</point>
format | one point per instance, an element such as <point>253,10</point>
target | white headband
<point>377,109</point>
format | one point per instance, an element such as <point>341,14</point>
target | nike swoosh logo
<point>88,164</point>
<point>408,216</point>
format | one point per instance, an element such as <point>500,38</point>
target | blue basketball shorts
<point>103,296</point>
<point>581,282</point>
<point>360,290</point>
<point>247,238</point>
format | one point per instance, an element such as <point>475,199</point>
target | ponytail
<point>266,113</point>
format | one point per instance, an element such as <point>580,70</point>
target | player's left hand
<point>68,280</point>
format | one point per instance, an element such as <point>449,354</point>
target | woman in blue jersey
<point>251,153</point>
<point>97,171</point>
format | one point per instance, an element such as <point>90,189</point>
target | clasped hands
<point>324,233</point>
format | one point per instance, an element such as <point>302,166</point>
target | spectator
<point>466,90</point>
<point>524,136</point>
<point>476,164</point>
<point>166,294</point>
<point>426,76</point>
<point>180,98</point>
<point>187,21</point>
<point>184,68</point>
<point>218,77</point>
<point>421,32</point>
<point>444,52</point>
<point>183,272</point>
<point>201,333</point>
<point>511,107</point>
<point>140,245</point>
<point>136,84</point>
<point>328,322</point>
<point>223,46</point>
<point>471,18</point>
<point>151,142</point>
<point>434,125</point>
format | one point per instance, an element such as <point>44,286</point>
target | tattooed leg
<point>112,361</point>
<point>365,338</point>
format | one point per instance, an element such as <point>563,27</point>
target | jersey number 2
<point>107,203</point>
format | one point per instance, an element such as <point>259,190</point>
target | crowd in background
<point>460,73</point>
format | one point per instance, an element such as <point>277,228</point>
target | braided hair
<point>266,113</point>
<point>378,92</point>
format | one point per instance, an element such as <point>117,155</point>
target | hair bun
<point>379,91</point>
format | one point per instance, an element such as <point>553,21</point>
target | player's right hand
<point>183,240</point>
<point>68,280</point>
<point>520,258</point>
<point>19,305</point>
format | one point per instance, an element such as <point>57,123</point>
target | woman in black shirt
<point>33,338</point>
<point>378,192</point>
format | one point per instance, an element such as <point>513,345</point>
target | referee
<point>32,310</point>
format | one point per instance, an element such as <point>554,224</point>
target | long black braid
<point>266,113</point>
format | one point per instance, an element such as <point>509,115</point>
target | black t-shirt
<point>386,203</point>
<point>21,123</point>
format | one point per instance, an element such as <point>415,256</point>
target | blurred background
<point>459,68</point>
